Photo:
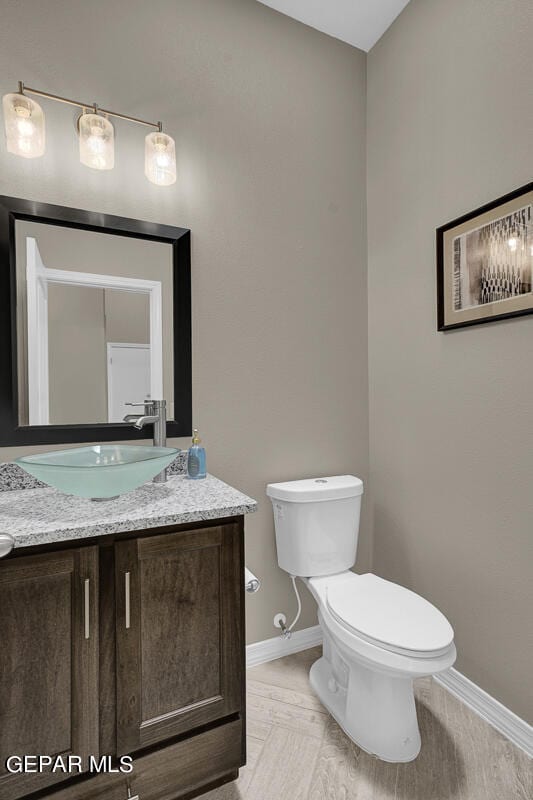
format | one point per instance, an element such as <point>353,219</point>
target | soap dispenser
<point>196,458</point>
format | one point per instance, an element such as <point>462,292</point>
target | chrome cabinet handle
<point>127,596</point>
<point>132,796</point>
<point>87,607</point>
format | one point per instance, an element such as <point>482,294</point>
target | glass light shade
<point>97,142</point>
<point>160,159</point>
<point>24,124</point>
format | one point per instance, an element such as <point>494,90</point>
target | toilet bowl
<point>372,652</point>
<point>377,636</point>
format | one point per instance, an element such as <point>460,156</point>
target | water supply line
<point>286,630</point>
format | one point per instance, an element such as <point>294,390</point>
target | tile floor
<point>297,752</point>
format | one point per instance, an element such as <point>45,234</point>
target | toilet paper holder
<point>7,544</point>
<point>252,583</point>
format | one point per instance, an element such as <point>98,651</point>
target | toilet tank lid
<point>312,490</point>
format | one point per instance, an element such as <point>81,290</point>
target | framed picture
<point>485,263</point>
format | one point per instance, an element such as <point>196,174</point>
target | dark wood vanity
<point>121,624</point>
<point>128,644</point>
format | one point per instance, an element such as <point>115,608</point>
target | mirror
<point>100,317</point>
<point>91,311</point>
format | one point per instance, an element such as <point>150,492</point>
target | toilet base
<point>376,711</point>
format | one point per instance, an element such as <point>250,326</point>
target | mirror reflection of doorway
<point>71,318</point>
<point>128,377</point>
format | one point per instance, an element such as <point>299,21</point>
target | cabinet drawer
<point>99,787</point>
<point>168,773</point>
<point>188,765</point>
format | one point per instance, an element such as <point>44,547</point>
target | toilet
<point>377,635</point>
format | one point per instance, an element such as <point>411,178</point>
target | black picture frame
<point>13,434</point>
<point>442,323</point>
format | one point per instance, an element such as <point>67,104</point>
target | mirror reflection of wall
<point>99,353</point>
<point>88,330</point>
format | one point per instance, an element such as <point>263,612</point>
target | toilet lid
<point>388,615</point>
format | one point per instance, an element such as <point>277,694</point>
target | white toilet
<point>377,635</point>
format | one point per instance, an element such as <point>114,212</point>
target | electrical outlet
<point>279,618</point>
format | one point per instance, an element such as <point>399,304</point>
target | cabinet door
<point>179,633</point>
<point>48,662</point>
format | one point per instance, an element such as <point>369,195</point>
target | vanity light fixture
<point>25,134</point>
<point>24,122</point>
<point>160,158</point>
<point>97,141</point>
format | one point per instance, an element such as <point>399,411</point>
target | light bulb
<point>24,126</point>
<point>160,158</point>
<point>97,141</point>
<point>513,243</point>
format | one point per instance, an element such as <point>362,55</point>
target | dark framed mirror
<point>95,312</point>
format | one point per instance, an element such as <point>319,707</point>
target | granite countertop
<point>44,516</point>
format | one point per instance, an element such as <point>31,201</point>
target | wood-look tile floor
<point>297,752</point>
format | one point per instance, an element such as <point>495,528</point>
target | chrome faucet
<point>155,412</point>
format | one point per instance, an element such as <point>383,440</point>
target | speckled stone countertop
<point>44,516</point>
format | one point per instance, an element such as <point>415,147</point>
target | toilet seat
<point>387,615</point>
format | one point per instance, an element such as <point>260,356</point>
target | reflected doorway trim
<point>38,278</point>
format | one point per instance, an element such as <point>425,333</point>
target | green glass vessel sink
<point>99,471</point>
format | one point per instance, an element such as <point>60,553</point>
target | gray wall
<point>77,377</point>
<point>127,319</point>
<point>269,120</point>
<point>450,126</point>
<point>82,320</point>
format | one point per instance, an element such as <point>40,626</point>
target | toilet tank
<point>317,524</point>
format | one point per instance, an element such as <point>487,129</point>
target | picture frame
<point>485,263</point>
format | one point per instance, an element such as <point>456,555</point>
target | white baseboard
<point>270,649</point>
<point>491,710</point>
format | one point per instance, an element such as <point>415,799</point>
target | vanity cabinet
<point>178,634</point>
<point>131,646</point>
<point>48,661</point>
